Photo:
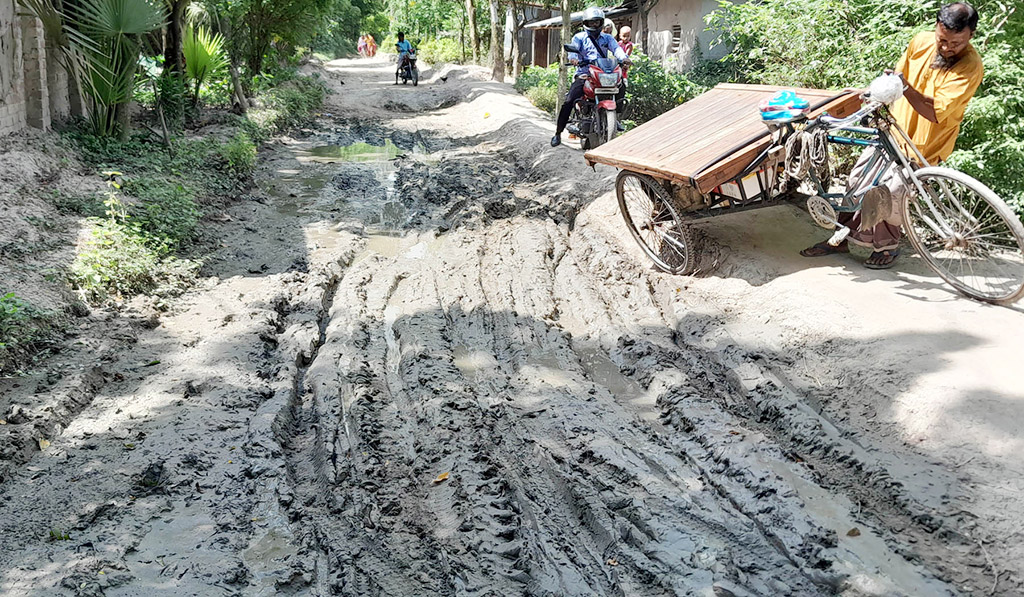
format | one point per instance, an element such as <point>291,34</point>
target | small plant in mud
<point>239,155</point>
<point>24,331</point>
<point>59,535</point>
<point>123,259</point>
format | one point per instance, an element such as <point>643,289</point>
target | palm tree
<point>100,42</point>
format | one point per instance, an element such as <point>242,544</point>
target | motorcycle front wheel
<point>610,125</point>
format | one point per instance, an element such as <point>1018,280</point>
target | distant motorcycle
<point>407,69</point>
<point>594,117</point>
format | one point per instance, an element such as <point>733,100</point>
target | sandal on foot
<point>823,248</point>
<point>882,259</point>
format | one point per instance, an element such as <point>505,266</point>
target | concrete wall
<point>34,88</point>
<point>677,34</point>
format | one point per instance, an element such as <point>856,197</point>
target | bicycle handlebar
<point>839,123</point>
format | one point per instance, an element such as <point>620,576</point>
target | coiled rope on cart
<point>804,151</point>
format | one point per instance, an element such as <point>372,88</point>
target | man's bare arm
<point>924,105</point>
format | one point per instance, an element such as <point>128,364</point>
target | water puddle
<point>356,152</point>
<point>861,550</point>
<point>603,371</point>
<point>475,365</point>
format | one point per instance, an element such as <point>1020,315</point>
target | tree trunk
<point>566,35</point>
<point>497,45</point>
<point>236,83</point>
<point>474,36</point>
<point>173,56</point>
<point>462,37</point>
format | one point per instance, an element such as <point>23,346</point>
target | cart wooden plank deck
<point>710,139</point>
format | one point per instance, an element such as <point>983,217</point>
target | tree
<point>474,36</point>
<point>497,45</point>
<point>566,38</point>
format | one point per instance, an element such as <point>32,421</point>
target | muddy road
<point>426,360</point>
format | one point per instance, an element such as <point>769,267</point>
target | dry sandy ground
<point>450,371</point>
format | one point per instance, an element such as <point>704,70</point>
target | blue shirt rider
<point>592,44</point>
<point>404,49</point>
<point>593,47</point>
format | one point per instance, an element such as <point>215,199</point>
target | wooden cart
<point>709,156</point>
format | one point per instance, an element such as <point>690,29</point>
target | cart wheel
<point>967,235</point>
<point>654,222</point>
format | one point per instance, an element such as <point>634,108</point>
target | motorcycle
<point>407,69</point>
<point>594,118</point>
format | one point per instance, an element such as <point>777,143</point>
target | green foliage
<point>534,76</point>
<point>440,51</point>
<point>24,330</point>
<point>846,43</point>
<point>653,90</point>
<point>290,104</point>
<point>166,215</point>
<point>113,30</point>
<point>239,155</point>
<point>260,26</point>
<point>545,98</point>
<point>205,58</point>
<point>171,95</point>
<point>117,262</point>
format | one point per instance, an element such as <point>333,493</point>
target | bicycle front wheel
<point>967,235</point>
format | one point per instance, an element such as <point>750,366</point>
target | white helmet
<point>593,19</point>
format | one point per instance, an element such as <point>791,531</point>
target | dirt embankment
<point>427,359</point>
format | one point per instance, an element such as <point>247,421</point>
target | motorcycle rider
<point>593,44</point>
<point>404,49</point>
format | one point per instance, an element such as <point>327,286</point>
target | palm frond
<point>204,54</point>
<point>117,18</point>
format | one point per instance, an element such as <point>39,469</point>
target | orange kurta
<point>950,88</point>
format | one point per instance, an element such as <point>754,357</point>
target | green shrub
<point>24,331</point>
<point>440,51</point>
<point>117,263</point>
<point>535,76</point>
<point>167,216</point>
<point>291,104</point>
<point>545,98</point>
<point>239,155</point>
<point>652,90</point>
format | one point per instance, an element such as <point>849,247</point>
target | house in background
<point>676,32</point>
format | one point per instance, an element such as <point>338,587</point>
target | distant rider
<point>404,49</point>
<point>593,44</point>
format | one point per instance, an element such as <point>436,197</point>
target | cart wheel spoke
<point>967,235</point>
<point>654,222</point>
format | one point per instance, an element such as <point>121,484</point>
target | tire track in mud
<point>583,448</point>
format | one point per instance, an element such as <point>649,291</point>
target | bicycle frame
<point>879,136</point>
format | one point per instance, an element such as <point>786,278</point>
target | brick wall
<point>12,92</point>
<point>34,89</point>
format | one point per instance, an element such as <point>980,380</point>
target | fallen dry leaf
<point>3,422</point>
<point>854,532</point>
<point>44,444</point>
<point>613,562</point>
<point>440,478</point>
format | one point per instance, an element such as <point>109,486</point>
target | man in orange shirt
<point>941,70</point>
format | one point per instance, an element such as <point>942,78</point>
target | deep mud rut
<point>421,365</point>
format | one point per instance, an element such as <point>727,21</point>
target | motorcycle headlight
<point>608,79</point>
